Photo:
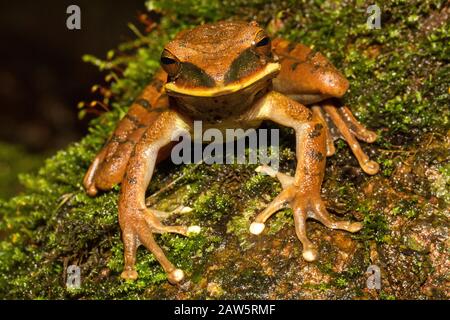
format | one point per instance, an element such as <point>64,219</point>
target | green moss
<point>386,296</point>
<point>341,282</point>
<point>212,205</point>
<point>441,184</point>
<point>407,208</point>
<point>322,287</point>
<point>260,183</point>
<point>376,226</point>
<point>14,160</point>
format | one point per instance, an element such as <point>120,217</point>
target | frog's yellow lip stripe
<point>269,69</point>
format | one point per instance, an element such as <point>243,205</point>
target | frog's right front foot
<point>138,226</point>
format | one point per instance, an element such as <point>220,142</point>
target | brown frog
<point>229,75</point>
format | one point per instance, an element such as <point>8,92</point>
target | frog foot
<point>304,204</point>
<point>137,229</point>
<point>342,123</point>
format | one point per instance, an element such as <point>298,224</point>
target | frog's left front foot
<point>305,204</point>
<point>138,226</point>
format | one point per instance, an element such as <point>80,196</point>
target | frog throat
<point>270,70</point>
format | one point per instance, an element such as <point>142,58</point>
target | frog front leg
<point>301,192</point>
<point>138,223</point>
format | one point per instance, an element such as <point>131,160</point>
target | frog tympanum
<point>229,75</point>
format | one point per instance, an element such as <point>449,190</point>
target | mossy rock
<point>399,87</point>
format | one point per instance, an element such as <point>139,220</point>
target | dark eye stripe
<point>193,75</point>
<point>246,63</point>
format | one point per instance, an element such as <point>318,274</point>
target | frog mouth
<point>269,71</point>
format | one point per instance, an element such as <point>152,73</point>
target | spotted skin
<point>227,74</point>
<point>108,168</point>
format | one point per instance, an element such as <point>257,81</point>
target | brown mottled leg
<point>369,166</point>
<point>138,223</point>
<point>300,215</point>
<point>112,169</point>
<point>302,192</point>
<point>89,177</point>
<point>145,237</point>
<point>108,167</point>
<point>308,77</point>
<point>361,132</point>
<point>130,246</point>
<point>330,143</point>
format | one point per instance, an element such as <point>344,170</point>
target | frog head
<point>220,66</point>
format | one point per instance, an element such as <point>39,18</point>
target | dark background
<point>42,75</point>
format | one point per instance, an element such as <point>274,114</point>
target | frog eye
<point>263,44</point>
<point>170,63</point>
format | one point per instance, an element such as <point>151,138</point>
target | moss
<point>14,160</point>
<point>407,208</point>
<point>385,296</point>
<point>261,184</point>
<point>441,184</point>
<point>341,282</point>
<point>239,224</point>
<point>375,224</point>
<point>212,205</point>
<point>399,87</point>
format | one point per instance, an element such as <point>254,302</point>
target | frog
<point>229,74</point>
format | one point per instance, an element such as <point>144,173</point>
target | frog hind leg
<point>369,166</point>
<point>309,78</point>
<point>108,167</point>
<point>357,129</point>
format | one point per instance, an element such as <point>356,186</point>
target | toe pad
<point>256,228</point>
<point>175,276</point>
<point>129,275</point>
<point>355,226</point>
<point>266,170</point>
<point>371,167</point>
<point>194,230</point>
<point>310,254</point>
